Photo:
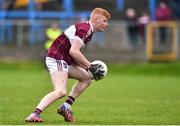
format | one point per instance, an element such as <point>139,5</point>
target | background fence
<point>17,42</point>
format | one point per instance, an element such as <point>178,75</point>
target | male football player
<point>65,60</point>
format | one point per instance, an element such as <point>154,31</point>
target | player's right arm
<point>82,61</point>
<point>75,52</point>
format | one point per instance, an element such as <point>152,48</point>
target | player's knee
<point>60,93</point>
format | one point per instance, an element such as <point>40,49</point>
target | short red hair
<point>101,11</point>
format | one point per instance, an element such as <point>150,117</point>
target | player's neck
<point>93,25</point>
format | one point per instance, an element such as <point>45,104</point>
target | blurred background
<point>27,28</point>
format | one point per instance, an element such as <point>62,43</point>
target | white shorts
<point>54,65</point>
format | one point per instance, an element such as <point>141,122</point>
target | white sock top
<point>67,105</point>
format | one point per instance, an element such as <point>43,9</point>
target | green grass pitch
<point>130,94</point>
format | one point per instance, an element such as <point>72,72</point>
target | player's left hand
<point>96,71</point>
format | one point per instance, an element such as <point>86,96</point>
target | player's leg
<point>59,80</point>
<point>84,81</point>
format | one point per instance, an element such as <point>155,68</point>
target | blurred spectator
<point>9,5</point>
<point>163,13</point>
<point>143,20</point>
<point>52,33</point>
<point>132,27</point>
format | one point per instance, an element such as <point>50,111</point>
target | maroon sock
<point>37,111</point>
<point>70,100</point>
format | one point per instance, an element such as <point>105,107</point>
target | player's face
<point>102,23</point>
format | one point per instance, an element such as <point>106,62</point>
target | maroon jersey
<point>59,49</point>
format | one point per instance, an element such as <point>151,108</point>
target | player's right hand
<point>96,71</point>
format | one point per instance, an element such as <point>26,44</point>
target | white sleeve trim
<point>77,37</point>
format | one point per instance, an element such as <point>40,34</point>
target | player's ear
<point>96,20</point>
